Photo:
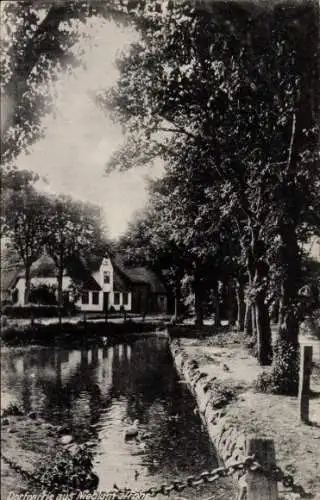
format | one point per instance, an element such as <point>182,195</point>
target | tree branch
<point>293,132</point>
<point>177,130</point>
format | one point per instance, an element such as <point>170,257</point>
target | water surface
<point>98,392</point>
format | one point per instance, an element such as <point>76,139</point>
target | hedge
<point>41,311</point>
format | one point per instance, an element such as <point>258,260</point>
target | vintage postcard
<point>160,249</point>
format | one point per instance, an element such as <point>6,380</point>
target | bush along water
<point>71,471</point>
<point>283,378</point>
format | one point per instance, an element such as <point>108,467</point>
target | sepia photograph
<point>160,249</point>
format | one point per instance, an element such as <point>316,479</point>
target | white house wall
<point>117,307</point>
<point>99,307</point>
<point>98,275</point>
<point>90,306</point>
<point>21,286</point>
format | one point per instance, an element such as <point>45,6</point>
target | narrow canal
<point>97,393</point>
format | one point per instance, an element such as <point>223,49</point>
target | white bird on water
<point>132,431</point>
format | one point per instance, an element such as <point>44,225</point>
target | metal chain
<point>280,476</point>
<point>203,478</point>
<point>167,488</point>
<point>206,477</point>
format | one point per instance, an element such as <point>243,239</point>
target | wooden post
<point>304,382</point>
<point>261,486</point>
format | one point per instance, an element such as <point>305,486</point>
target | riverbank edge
<point>228,442</point>
<point>80,333</point>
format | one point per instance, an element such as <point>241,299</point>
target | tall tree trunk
<point>258,271</point>
<point>240,305</point>
<point>60,292</point>
<point>217,319</point>
<point>261,317</point>
<point>286,347</point>
<point>198,302</point>
<point>27,284</point>
<point>230,303</point>
<point>274,312</point>
<point>177,297</point>
<point>254,322</point>
<point>248,320</point>
<point>264,347</point>
<point>290,256</point>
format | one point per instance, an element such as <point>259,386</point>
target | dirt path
<point>264,415</point>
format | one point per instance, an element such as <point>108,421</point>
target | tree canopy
<point>230,101</point>
<point>228,97</point>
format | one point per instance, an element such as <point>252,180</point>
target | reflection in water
<point>95,392</point>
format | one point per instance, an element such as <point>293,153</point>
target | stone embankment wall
<point>212,405</point>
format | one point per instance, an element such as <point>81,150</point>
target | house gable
<point>104,275</point>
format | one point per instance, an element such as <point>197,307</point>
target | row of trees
<point>228,96</point>
<point>32,221</point>
<point>230,100</point>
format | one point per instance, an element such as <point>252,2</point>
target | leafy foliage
<point>43,294</point>
<point>32,221</point>
<point>68,472</point>
<point>38,42</point>
<point>232,101</point>
<point>284,375</point>
<point>75,227</point>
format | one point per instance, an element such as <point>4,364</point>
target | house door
<point>105,301</point>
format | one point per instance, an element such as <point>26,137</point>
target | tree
<point>247,89</point>
<point>25,221</point>
<point>147,242</point>
<point>183,232</point>
<point>74,228</point>
<point>37,38</point>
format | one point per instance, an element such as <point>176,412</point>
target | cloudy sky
<point>80,137</point>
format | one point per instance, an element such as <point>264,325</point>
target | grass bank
<point>38,456</point>
<point>73,334</point>
<point>228,374</point>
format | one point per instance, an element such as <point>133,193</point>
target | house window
<point>85,298</point>
<point>116,298</point>
<point>106,277</point>
<point>125,298</point>
<point>95,298</point>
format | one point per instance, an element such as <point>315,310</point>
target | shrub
<point>43,294</point>
<point>283,378</point>
<point>222,395</point>
<point>68,472</point>
<point>12,410</point>
<point>35,311</point>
